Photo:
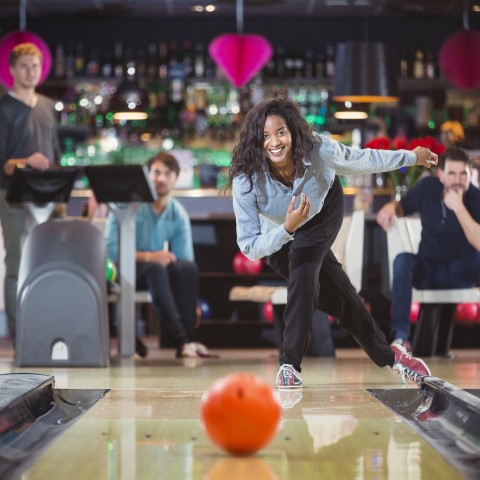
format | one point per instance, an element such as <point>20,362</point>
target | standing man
<point>164,257</point>
<point>28,137</point>
<point>448,255</point>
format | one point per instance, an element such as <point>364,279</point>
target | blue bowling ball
<point>206,310</point>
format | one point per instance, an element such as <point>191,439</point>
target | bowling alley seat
<point>435,324</point>
<point>141,296</point>
<point>348,249</point>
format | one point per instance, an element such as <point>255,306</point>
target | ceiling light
<point>365,72</point>
<point>351,111</point>
<point>130,101</point>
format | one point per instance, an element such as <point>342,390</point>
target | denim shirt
<point>260,214</point>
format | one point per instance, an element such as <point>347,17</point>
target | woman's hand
<point>425,157</point>
<point>296,216</point>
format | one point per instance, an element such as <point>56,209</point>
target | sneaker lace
<point>287,373</point>
<point>405,373</point>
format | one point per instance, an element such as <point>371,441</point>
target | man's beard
<point>457,188</point>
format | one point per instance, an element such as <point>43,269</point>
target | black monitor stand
<point>40,191</point>
<point>123,188</point>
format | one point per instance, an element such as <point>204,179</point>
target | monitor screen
<point>121,183</point>
<point>40,187</point>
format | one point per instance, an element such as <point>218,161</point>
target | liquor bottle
<point>152,66</point>
<point>270,68</point>
<point>404,65</point>
<point>280,63</point>
<point>199,61</point>
<point>429,66</point>
<point>330,60</point>
<point>298,66</point>
<point>319,65</point>
<point>210,68</point>
<point>308,64</point>
<point>93,64</point>
<point>199,65</point>
<point>106,69</point>
<point>187,59</point>
<point>60,65</point>
<point>419,65</point>
<point>79,64</point>
<point>118,67</point>
<point>141,63</point>
<point>289,65</point>
<point>70,62</point>
<point>162,60</point>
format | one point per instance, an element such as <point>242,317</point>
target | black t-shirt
<point>442,236</point>
<point>25,130</point>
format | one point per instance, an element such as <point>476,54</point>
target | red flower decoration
<point>379,143</point>
<point>400,143</point>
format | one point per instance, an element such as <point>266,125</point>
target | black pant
<point>174,291</point>
<point>317,280</point>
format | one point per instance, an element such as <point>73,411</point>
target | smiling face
<point>455,175</point>
<point>277,141</point>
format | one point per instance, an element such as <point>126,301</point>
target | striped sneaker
<point>408,367</point>
<point>288,377</point>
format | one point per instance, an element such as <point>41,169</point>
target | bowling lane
<point>148,425</point>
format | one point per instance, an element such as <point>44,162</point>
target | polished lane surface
<point>147,426</point>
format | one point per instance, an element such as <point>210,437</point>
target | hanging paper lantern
<point>9,41</point>
<point>458,59</point>
<point>240,57</point>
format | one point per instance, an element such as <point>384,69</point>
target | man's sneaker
<point>203,351</point>
<point>289,397</point>
<point>408,367</point>
<point>404,343</point>
<point>140,348</point>
<point>288,377</point>
<point>188,350</point>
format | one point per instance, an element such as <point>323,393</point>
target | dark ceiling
<point>227,8</point>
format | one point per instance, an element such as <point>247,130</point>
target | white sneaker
<point>288,377</point>
<point>203,351</point>
<point>188,350</point>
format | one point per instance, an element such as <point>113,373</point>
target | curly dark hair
<point>248,156</point>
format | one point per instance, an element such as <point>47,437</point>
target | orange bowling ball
<point>240,413</point>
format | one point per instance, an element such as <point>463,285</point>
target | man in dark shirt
<point>28,137</point>
<point>448,254</point>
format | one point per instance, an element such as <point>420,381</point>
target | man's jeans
<point>410,270</point>
<point>14,226</point>
<point>174,291</point>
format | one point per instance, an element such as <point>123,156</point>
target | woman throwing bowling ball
<point>288,203</point>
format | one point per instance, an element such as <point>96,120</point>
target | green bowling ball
<point>110,270</point>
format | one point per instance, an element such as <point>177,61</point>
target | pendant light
<point>351,111</point>
<point>365,72</point>
<point>130,101</point>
